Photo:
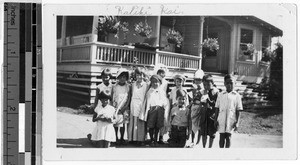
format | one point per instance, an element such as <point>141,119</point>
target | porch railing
<point>99,52</point>
<point>109,53</point>
<point>249,68</point>
<point>175,60</point>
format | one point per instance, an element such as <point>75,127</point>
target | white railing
<point>100,52</point>
<point>176,60</point>
<point>110,53</point>
<point>264,69</point>
<point>246,68</point>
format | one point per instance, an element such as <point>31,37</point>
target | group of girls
<point>144,106</point>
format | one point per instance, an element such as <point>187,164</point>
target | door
<point>210,58</point>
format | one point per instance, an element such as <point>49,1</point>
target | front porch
<point>79,66</point>
<point>81,56</point>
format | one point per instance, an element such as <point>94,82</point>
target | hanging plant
<point>174,37</point>
<point>143,29</point>
<point>210,44</point>
<point>111,24</point>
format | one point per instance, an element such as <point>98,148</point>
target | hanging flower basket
<point>210,44</point>
<point>111,24</point>
<point>174,37</point>
<point>143,29</point>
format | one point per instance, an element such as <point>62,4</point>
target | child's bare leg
<point>151,133</point>
<point>199,137</point>
<point>193,136</point>
<point>222,140</point>
<point>211,140</point>
<point>204,140</point>
<point>116,131</point>
<point>156,130</point>
<point>122,131</point>
<point>228,140</point>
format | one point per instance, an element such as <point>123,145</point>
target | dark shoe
<point>161,142</point>
<point>152,144</point>
<point>122,142</point>
<point>89,136</point>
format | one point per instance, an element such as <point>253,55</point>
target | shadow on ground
<point>85,143</point>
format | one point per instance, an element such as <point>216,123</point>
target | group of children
<point>143,107</point>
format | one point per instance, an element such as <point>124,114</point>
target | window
<point>246,45</point>
<point>266,49</point>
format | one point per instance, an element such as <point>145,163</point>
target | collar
<point>232,92</point>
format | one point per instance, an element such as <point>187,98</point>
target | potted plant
<point>174,37</point>
<point>210,45</point>
<point>143,29</point>
<point>111,24</point>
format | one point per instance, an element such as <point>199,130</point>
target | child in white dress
<point>136,127</point>
<point>104,117</point>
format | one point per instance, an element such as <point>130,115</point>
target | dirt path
<point>72,130</point>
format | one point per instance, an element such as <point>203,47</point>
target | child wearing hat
<point>121,98</point>
<point>104,116</point>
<point>180,121</point>
<point>179,82</point>
<point>136,127</point>
<point>164,85</point>
<point>195,106</point>
<point>156,104</point>
<point>228,106</point>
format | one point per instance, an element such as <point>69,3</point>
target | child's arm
<point>96,98</point>
<point>122,110</point>
<point>95,118</point>
<point>216,124</point>
<point>237,112</point>
<point>235,125</point>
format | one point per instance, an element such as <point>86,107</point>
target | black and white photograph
<point>165,78</point>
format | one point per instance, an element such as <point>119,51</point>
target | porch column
<point>200,40</point>
<point>63,30</point>
<point>157,39</point>
<point>233,46</point>
<point>94,29</point>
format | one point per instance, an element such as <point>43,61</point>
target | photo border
<point>51,152</point>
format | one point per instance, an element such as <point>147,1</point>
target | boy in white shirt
<point>228,106</point>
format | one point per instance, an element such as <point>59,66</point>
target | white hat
<point>199,74</point>
<point>121,70</point>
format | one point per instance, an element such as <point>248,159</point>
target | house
<point>82,51</point>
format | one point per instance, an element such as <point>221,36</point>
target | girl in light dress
<point>121,98</point>
<point>104,116</point>
<point>136,127</point>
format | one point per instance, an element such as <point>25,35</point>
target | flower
<point>174,37</point>
<point>111,24</point>
<point>211,44</point>
<point>143,29</point>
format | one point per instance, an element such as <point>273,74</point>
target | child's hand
<point>216,124</point>
<point>235,127</point>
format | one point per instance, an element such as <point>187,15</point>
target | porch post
<point>233,46</point>
<point>63,30</point>
<point>157,39</point>
<point>200,40</point>
<point>94,30</point>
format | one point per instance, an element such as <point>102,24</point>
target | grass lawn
<point>262,121</point>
